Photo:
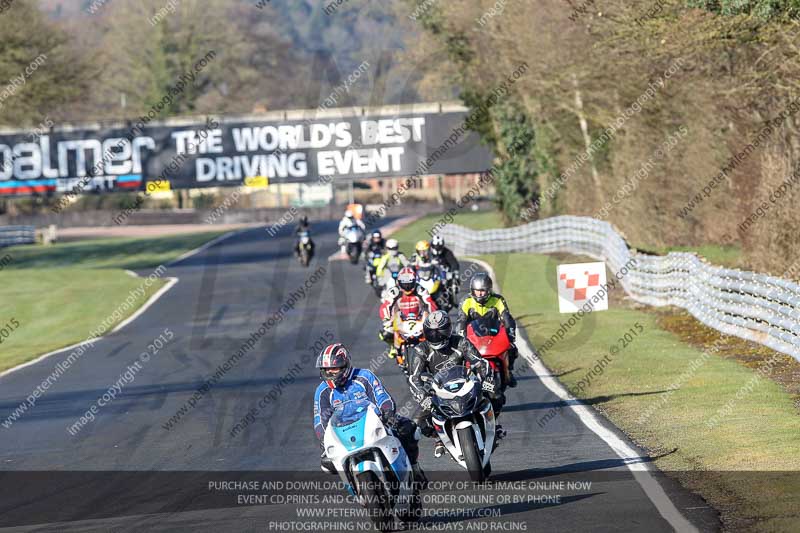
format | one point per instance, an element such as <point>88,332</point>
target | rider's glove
<point>390,419</point>
<point>481,368</point>
<point>512,335</point>
<point>426,403</point>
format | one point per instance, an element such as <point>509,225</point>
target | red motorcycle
<point>490,338</point>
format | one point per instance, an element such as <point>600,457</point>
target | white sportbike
<point>372,463</point>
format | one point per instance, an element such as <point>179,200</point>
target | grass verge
<point>418,230</point>
<point>124,253</point>
<point>59,294</point>
<point>716,425</point>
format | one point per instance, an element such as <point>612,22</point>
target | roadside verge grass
<point>59,294</point>
<point>707,420</point>
<point>418,230</point>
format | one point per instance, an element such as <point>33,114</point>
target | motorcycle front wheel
<point>472,457</point>
<point>375,501</point>
<point>353,253</point>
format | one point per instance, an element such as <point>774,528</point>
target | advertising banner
<point>227,152</point>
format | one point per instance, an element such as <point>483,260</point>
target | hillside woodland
<point>675,120</point>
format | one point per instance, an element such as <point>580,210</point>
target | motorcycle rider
<point>482,300</point>
<point>302,226</point>
<point>341,382</point>
<point>442,255</point>
<point>375,248</point>
<point>347,222</point>
<point>423,253</point>
<point>392,257</point>
<point>441,349</point>
<point>405,297</point>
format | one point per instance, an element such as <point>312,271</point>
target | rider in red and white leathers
<point>405,297</point>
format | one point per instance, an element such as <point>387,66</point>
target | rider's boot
<point>438,448</point>
<point>512,381</point>
<point>326,464</point>
<point>419,476</point>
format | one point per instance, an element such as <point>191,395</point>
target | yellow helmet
<point>423,246</point>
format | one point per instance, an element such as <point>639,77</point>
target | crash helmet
<point>437,244</point>
<point>407,279</point>
<point>393,247</point>
<point>423,249</point>
<point>480,287</point>
<point>334,365</point>
<point>437,328</point>
<point>377,236</point>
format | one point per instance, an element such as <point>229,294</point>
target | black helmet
<point>437,328</point>
<point>437,243</point>
<point>481,282</point>
<point>334,365</point>
<point>377,236</point>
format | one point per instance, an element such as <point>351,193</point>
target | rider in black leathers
<point>443,256</point>
<point>375,248</point>
<point>302,226</point>
<point>441,350</point>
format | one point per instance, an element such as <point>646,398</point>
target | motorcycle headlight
<point>380,432</point>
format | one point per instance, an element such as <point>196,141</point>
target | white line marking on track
<point>642,472</point>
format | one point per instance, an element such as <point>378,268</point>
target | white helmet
<point>393,246</point>
<point>348,214</point>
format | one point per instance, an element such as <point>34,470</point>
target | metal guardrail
<point>753,306</point>
<point>13,235</point>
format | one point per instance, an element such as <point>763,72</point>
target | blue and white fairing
<point>356,441</point>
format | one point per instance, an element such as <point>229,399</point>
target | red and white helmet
<point>334,365</point>
<point>407,279</point>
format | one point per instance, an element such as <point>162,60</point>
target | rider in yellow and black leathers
<point>480,301</point>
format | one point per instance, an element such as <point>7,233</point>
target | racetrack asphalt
<point>122,471</point>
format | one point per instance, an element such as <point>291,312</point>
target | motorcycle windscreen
<point>455,381</point>
<point>349,420</point>
<point>448,377</point>
<point>488,335</point>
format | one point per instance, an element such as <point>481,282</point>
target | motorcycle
<point>306,248</point>
<point>489,336</point>
<point>430,279</point>
<point>372,463</point>
<point>372,258</point>
<point>389,277</point>
<point>353,237</point>
<point>451,280</point>
<point>407,334</point>
<point>464,419</point>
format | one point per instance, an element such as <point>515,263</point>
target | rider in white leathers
<point>347,222</point>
